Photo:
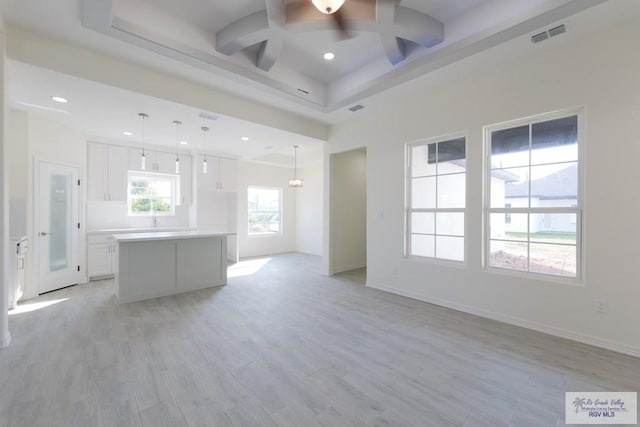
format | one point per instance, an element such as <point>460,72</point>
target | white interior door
<point>57,226</point>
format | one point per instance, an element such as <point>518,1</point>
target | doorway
<point>57,225</point>
<point>348,211</point>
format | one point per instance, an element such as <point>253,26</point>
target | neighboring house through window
<point>264,207</point>
<point>534,206</point>
<point>436,198</point>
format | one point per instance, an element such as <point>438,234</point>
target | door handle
<point>44,233</point>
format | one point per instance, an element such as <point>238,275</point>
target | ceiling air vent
<point>552,32</point>
<point>539,37</point>
<point>557,30</point>
<point>356,108</point>
<point>207,116</point>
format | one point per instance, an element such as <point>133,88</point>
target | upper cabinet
<point>107,172</point>
<point>155,161</point>
<point>222,174</point>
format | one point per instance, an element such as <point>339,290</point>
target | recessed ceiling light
<point>245,138</point>
<point>59,99</point>
<point>329,56</point>
<point>184,143</point>
<point>127,133</point>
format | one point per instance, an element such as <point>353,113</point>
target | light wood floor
<point>286,346</point>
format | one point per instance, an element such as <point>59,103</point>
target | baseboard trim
<point>349,268</point>
<point>535,326</point>
<point>6,341</point>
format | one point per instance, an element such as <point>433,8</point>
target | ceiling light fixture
<point>295,182</point>
<point>184,143</point>
<point>127,133</point>
<point>245,138</point>
<point>328,6</point>
<point>177,123</point>
<point>329,56</point>
<point>143,160</point>
<point>204,163</point>
<point>60,99</point>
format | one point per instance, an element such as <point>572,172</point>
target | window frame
<point>408,210</point>
<point>577,208</point>
<point>175,186</point>
<point>280,211</point>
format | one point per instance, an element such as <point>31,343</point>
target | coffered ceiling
<point>277,46</point>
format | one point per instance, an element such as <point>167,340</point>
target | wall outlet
<point>601,306</point>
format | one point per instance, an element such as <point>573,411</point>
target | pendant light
<point>295,182</point>
<point>143,160</point>
<point>204,163</point>
<point>328,6</point>
<point>177,123</point>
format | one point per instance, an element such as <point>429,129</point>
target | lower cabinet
<point>101,253</point>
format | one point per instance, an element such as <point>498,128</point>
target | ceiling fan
<point>340,11</point>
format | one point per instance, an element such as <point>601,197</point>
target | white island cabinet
<point>152,265</point>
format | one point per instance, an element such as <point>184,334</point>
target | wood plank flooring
<point>283,345</point>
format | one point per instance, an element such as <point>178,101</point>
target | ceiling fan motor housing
<point>328,6</point>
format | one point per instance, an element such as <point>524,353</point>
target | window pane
<point>422,222</point>
<point>162,206</point>
<point>420,165</point>
<point>554,185</point>
<point>450,248</point>
<point>422,245</point>
<point>161,188</point>
<point>510,186</point>
<point>553,259</point>
<point>516,230</point>
<point>451,191</point>
<point>451,224</point>
<point>423,193</point>
<point>263,206</point>
<point>510,147</point>
<point>511,255</point>
<point>140,206</point>
<point>451,156</point>
<point>553,228</point>
<point>555,141</point>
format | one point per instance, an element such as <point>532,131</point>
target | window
<point>264,211</point>
<point>151,194</point>
<point>436,198</point>
<point>533,206</point>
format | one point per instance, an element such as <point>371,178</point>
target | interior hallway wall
<point>348,182</point>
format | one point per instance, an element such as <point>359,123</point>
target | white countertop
<point>169,235</point>
<point>137,230</point>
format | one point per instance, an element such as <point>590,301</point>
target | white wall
<point>253,174</point>
<point>18,155</point>
<point>309,209</point>
<point>5,336</point>
<point>600,72</point>
<point>348,183</point>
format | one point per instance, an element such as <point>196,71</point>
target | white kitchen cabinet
<point>222,174</point>
<point>107,172</point>
<point>155,161</point>
<point>101,250</point>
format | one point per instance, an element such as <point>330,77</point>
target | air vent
<point>207,116</point>
<point>539,37</point>
<point>552,32</point>
<point>557,30</point>
<point>356,108</point>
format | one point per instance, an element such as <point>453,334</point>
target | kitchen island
<point>156,264</point>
